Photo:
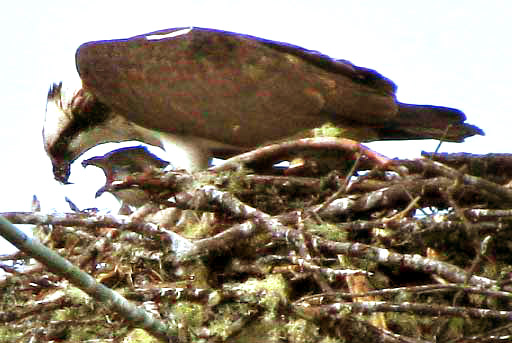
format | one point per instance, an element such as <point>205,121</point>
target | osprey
<point>218,93</point>
<point>124,162</point>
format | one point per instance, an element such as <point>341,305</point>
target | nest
<point>374,251</point>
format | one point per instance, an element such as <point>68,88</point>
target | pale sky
<point>450,53</point>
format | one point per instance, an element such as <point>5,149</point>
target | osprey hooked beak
<point>76,121</point>
<point>58,118</point>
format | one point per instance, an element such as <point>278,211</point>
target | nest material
<point>407,251</point>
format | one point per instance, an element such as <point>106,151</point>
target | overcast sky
<point>452,53</point>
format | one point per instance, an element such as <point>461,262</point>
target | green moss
<point>455,327</point>
<point>301,331</point>
<point>328,231</point>
<point>268,292</point>
<point>236,179</point>
<point>77,295</point>
<point>8,334</point>
<point>228,314</point>
<point>329,339</point>
<point>328,130</point>
<point>188,313</point>
<point>140,336</point>
<point>196,230</point>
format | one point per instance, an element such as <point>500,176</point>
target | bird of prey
<point>121,163</point>
<point>218,93</point>
<point>124,162</point>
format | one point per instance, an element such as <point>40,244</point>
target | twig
<point>276,152</point>
<point>84,281</point>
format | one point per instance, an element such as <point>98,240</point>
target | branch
<point>279,151</point>
<point>60,266</point>
<point>179,244</point>
<point>340,310</point>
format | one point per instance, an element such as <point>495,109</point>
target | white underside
<point>185,152</point>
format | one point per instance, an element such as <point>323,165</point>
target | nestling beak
<point>100,192</point>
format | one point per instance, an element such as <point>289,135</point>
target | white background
<point>451,53</point>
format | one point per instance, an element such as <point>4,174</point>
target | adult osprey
<point>216,93</point>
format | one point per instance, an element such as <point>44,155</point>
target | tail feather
<point>428,122</point>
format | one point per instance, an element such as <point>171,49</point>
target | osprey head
<point>76,121</point>
<point>56,130</point>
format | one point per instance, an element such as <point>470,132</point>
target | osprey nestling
<point>124,162</point>
<point>216,93</point>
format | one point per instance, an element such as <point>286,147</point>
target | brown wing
<point>228,87</point>
<point>244,91</point>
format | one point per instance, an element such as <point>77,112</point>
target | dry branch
<point>273,261</point>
